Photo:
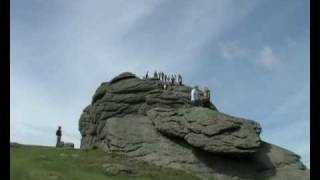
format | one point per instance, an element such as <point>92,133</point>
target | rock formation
<point>138,118</point>
<point>67,145</point>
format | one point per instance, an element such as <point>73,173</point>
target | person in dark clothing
<point>180,80</point>
<point>172,80</point>
<point>155,75</point>
<point>58,134</point>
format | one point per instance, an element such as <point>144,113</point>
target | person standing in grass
<point>58,134</point>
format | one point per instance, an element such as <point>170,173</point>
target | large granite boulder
<point>137,118</point>
<point>208,130</point>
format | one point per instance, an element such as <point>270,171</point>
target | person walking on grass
<point>58,134</point>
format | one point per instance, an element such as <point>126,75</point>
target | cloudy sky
<point>252,54</point>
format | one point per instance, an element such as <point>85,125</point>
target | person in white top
<point>195,98</point>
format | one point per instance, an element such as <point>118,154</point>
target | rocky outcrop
<point>208,130</point>
<point>137,118</point>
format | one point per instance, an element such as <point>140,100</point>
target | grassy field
<point>49,163</point>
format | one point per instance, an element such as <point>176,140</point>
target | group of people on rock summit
<point>174,79</point>
<point>166,79</point>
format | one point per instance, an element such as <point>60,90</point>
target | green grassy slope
<point>49,163</point>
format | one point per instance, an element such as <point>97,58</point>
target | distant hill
<point>49,163</point>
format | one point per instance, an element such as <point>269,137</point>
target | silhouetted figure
<point>162,76</point>
<point>180,79</point>
<point>172,80</point>
<point>58,134</point>
<point>165,78</point>
<point>155,75</point>
<point>147,76</point>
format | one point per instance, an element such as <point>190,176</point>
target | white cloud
<point>267,57</point>
<point>231,50</point>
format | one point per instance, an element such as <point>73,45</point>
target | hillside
<point>49,163</point>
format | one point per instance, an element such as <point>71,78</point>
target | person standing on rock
<point>195,98</point>
<point>58,134</point>
<point>155,75</point>
<point>206,97</point>
<point>172,80</point>
<point>180,80</point>
<point>165,85</point>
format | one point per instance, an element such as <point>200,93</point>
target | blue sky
<point>252,54</point>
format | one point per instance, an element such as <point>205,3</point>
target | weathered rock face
<point>138,118</point>
<point>208,130</point>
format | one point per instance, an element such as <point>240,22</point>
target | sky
<point>254,55</point>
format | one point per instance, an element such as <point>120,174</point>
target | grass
<point>49,163</point>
